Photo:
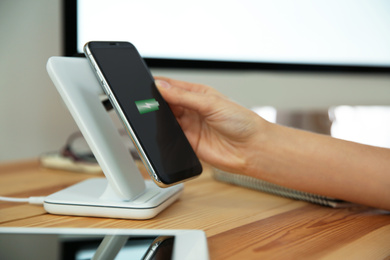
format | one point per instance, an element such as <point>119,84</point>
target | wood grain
<point>239,223</point>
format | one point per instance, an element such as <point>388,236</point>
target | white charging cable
<point>31,200</point>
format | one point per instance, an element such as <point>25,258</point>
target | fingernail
<point>163,84</point>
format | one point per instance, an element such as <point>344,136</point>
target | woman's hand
<point>219,130</point>
<point>235,139</point>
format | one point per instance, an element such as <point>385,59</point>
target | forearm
<point>230,137</point>
<point>323,165</point>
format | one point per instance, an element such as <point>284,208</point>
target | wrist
<point>258,149</point>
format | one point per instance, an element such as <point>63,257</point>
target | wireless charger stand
<point>123,193</point>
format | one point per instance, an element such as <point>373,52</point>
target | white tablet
<point>82,244</point>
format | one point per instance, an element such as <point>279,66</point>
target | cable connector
<point>36,200</point>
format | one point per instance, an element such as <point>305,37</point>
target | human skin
<point>233,138</point>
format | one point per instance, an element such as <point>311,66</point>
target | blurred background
<point>34,120</point>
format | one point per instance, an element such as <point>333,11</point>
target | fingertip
<point>161,84</point>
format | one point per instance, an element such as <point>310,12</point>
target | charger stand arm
<point>125,187</point>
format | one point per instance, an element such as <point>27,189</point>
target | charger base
<point>85,199</point>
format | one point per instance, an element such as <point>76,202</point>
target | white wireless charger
<point>123,193</point>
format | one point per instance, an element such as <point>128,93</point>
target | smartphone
<point>147,118</point>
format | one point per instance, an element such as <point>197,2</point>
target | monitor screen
<point>239,33</point>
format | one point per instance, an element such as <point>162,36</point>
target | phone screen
<point>78,246</point>
<point>153,123</point>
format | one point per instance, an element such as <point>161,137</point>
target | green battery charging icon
<point>147,105</point>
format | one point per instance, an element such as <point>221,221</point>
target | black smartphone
<point>148,119</point>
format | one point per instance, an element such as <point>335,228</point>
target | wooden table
<point>239,223</point>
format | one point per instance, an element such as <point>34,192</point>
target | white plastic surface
<point>84,199</point>
<point>80,90</point>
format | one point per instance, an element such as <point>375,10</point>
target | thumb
<point>178,96</point>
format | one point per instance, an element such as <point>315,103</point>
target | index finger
<point>193,87</point>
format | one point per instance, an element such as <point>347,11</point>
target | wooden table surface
<point>239,223</point>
